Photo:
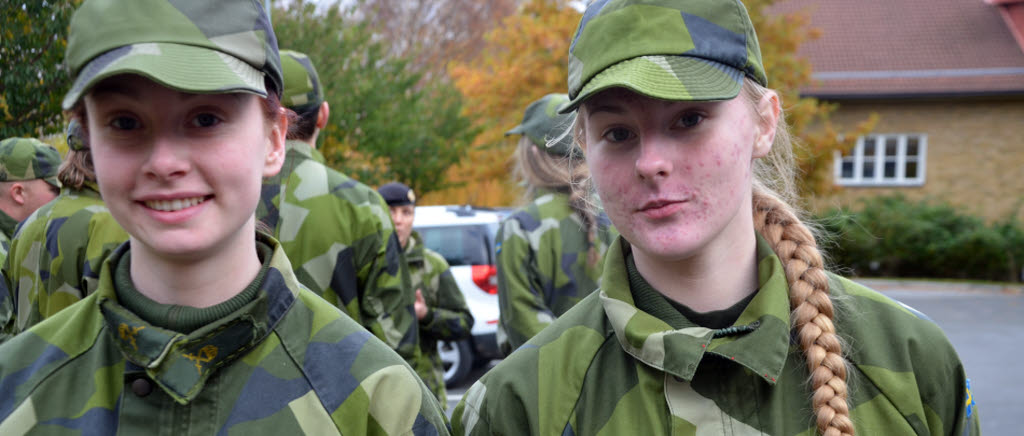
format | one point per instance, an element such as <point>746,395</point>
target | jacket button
<point>142,387</point>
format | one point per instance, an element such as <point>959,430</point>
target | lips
<point>661,208</point>
<point>173,205</point>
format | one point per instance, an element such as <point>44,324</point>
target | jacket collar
<point>181,364</point>
<point>759,339</point>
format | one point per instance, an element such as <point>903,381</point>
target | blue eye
<point>618,134</point>
<point>205,120</point>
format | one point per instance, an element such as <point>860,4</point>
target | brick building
<point>946,78</point>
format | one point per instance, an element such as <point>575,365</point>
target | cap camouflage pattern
<point>28,159</point>
<point>194,46</point>
<point>542,123</point>
<point>301,83</point>
<point>667,49</point>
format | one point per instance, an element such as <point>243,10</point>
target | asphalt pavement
<point>984,322</point>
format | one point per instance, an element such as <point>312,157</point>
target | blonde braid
<point>812,310</point>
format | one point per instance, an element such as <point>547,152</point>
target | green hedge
<point>893,237</point>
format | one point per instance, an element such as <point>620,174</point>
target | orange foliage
<point>525,57</point>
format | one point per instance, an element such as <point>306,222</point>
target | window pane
<point>847,169</point>
<point>890,170</point>
<point>911,172</point>
<point>912,142</point>
<point>869,170</point>
<point>891,146</point>
<point>869,146</point>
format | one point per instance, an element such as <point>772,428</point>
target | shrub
<point>891,236</point>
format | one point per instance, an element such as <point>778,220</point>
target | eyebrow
<point>114,88</point>
<point>610,108</point>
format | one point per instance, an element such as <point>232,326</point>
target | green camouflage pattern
<point>28,159</point>
<point>542,266</point>
<point>193,46</point>
<point>542,123</point>
<point>448,318</point>
<point>667,49</point>
<point>285,362</point>
<point>301,83</point>
<point>55,256</point>
<point>607,367</point>
<point>338,235</point>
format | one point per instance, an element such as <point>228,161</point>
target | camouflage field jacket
<point>606,367</point>
<point>283,361</point>
<point>543,268</point>
<point>448,318</point>
<point>338,235</point>
<point>55,256</point>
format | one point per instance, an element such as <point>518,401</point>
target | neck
<point>201,282</point>
<point>720,275</point>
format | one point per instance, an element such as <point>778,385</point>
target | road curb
<point>882,284</point>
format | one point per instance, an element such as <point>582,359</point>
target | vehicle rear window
<point>462,245</point>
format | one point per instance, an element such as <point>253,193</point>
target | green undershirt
<point>674,314</point>
<point>183,319</point>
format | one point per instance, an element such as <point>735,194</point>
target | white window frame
<point>878,159</point>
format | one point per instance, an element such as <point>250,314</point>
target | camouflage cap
<point>667,49</point>
<point>542,123</point>
<point>301,83</point>
<point>397,194</point>
<point>195,46</point>
<point>28,159</point>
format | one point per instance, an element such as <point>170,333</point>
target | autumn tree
<point>524,58</point>
<point>33,36</point>
<point>386,122</point>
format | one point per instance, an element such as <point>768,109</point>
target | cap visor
<point>517,130</point>
<point>182,67</point>
<point>666,77</point>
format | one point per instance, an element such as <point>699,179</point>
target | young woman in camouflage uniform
<point>548,251</point>
<point>198,325</point>
<point>715,315</point>
<point>440,307</point>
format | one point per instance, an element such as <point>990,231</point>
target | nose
<point>167,158</point>
<point>653,162</point>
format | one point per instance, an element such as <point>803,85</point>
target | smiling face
<point>675,176</point>
<point>181,172</point>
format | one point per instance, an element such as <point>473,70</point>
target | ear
<point>768,112</point>
<point>17,193</point>
<point>275,145</point>
<point>323,115</point>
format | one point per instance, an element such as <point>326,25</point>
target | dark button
<point>142,387</point>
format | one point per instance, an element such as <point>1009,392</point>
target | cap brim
<point>666,77</point>
<point>517,130</point>
<point>53,181</point>
<point>182,67</point>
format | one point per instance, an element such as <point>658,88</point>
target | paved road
<point>985,324</point>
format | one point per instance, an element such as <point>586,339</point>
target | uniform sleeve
<point>6,311</point>
<point>387,306</point>
<point>523,312</point>
<point>449,319</point>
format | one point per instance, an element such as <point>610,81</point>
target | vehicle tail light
<point>486,277</point>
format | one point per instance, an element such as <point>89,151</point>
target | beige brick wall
<point>975,156</point>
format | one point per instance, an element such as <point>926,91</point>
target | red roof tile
<point>894,48</point>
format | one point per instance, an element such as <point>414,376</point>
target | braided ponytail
<point>794,243</point>
<point>812,309</point>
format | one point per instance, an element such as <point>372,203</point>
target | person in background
<point>715,314</point>
<point>198,325</point>
<point>28,180</point>
<point>548,251</point>
<point>55,256</point>
<point>335,230</point>
<point>440,307</point>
